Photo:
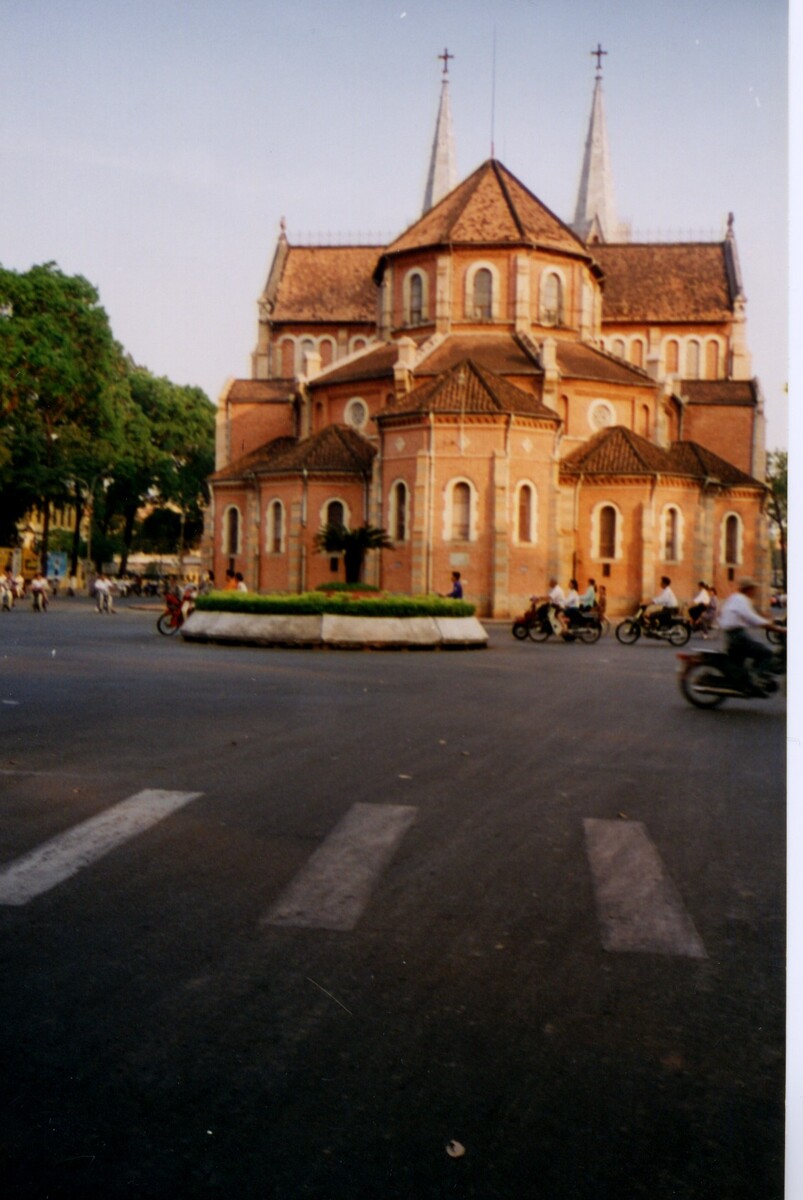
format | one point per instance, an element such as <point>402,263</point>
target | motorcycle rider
<point>737,616</point>
<point>663,606</point>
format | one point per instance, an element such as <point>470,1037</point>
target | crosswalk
<point>638,907</point>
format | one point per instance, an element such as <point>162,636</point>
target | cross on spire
<point>445,56</point>
<point>598,54</point>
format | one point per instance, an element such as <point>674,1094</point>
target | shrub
<point>316,603</point>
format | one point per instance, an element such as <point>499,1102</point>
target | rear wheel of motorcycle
<point>628,632</point>
<point>166,625</point>
<point>775,638</point>
<point>519,630</point>
<point>701,675</point>
<point>679,635</point>
<point>589,633</point>
<point>537,632</point>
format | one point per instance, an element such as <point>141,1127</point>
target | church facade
<point>508,395</point>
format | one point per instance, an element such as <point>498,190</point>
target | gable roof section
<point>325,283</point>
<point>666,281</point>
<point>501,353</point>
<point>490,207</point>
<point>469,388</point>
<point>375,362</point>
<point>578,360</point>
<point>258,391</point>
<point>619,451</point>
<point>336,450</point>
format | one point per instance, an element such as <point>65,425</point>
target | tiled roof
<point>619,451</point>
<point>580,361</point>
<point>665,281</point>
<point>469,388</point>
<point>500,353</point>
<point>326,283</point>
<point>690,458</point>
<point>491,206</point>
<point>242,390</point>
<point>375,362</point>
<point>336,450</point>
<point>737,392</point>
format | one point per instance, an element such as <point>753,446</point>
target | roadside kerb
<point>424,633</point>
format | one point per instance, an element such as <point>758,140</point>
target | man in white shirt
<point>664,604</point>
<point>737,616</point>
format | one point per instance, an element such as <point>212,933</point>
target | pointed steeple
<point>442,175</point>
<point>595,213</point>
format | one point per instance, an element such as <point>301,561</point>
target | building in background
<point>508,395</point>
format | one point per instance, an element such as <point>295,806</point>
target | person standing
<point>457,588</point>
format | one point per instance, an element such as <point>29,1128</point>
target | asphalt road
<point>472,1032</point>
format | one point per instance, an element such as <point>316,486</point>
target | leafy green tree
<point>353,544</point>
<point>169,453</point>
<point>778,483</point>
<point>62,379</point>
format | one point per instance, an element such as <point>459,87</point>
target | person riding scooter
<point>737,616</point>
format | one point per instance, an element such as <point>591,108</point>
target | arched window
<point>398,512</point>
<point>275,527</point>
<point>231,530</point>
<point>671,533</point>
<point>692,360</point>
<point>358,343</point>
<point>732,540</point>
<point>712,360</point>
<point>645,420</point>
<point>335,513</point>
<point>525,514</point>
<point>618,347</point>
<point>416,300</point>
<point>327,352</point>
<point>607,518</point>
<point>637,353</point>
<point>461,512</point>
<point>288,353</point>
<point>551,300</point>
<point>672,357</point>
<point>483,294</point>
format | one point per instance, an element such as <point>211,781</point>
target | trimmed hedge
<point>341,604</point>
<point>347,587</point>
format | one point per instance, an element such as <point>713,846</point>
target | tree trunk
<point>45,536</point>
<point>353,558</point>
<point>128,536</point>
<point>76,533</point>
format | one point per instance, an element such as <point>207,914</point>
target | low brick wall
<point>380,633</point>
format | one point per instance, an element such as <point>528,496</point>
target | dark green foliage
<point>353,544</point>
<point>316,603</point>
<point>346,587</point>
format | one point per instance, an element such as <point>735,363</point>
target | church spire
<point>442,175</point>
<point>595,212</point>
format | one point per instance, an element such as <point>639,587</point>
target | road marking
<point>65,855</point>
<point>333,888</point>
<point>638,905</point>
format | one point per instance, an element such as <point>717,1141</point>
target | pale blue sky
<point>153,146</point>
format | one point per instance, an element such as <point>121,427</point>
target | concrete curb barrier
<point>381,633</point>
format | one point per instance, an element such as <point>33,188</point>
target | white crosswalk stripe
<point>65,855</point>
<point>333,888</point>
<point>638,905</point>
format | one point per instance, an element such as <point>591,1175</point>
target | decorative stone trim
<point>379,633</point>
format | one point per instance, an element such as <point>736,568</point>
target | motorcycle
<point>676,631</point>
<point>177,608</point>
<point>540,621</point>
<point>707,678</point>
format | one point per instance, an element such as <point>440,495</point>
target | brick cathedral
<point>507,394</point>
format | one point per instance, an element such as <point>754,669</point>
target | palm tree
<point>353,544</point>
